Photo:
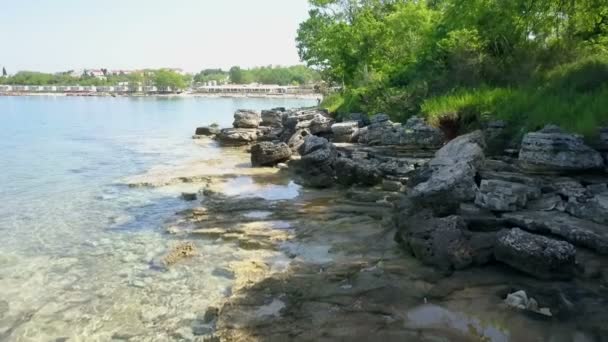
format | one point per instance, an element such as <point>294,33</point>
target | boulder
<point>379,118</point>
<point>594,209</point>
<point>553,150</point>
<point>447,187</point>
<point>574,230</point>
<point>445,242</point>
<point>349,172</point>
<point>207,130</point>
<point>297,139</point>
<point>499,195</point>
<point>361,119</point>
<point>381,133</point>
<point>315,167</point>
<point>536,255</point>
<point>418,134</point>
<point>246,119</point>
<point>272,118</point>
<point>320,124</point>
<point>345,131</point>
<point>238,136</point>
<point>269,153</point>
<point>465,148</point>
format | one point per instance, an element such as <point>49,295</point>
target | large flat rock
<point>577,231</point>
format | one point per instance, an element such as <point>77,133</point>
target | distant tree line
<point>292,75</point>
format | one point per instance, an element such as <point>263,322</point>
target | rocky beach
<point>389,231</point>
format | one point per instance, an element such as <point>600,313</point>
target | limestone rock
<point>378,118</point>
<point>447,187</point>
<point>349,172</point>
<point>574,230</point>
<point>207,130</point>
<point>345,131</point>
<point>445,242</point>
<point>361,119</point>
<point>269,153</point>
<point>297,139</point>
<point>465,148</point>
<point>238,136</point>
<point>417,133</point>
<point>246,119</point>
<point>553,150</point>
<point>536,255</point>
<point>321,124</point>
<point>315,168</point>
<point>272,118</point>
<point>499,195</point>
<point>594,208</point>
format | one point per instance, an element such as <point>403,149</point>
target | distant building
<point>5,88</point>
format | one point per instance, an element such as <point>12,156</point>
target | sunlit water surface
<point>76,243</point>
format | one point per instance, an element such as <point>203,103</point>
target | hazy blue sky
<point>55,35</point>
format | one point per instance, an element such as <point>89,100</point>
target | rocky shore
<point>400,234</point>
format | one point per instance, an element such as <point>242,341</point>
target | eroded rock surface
<point>246,119</point>
<point>269,153</point>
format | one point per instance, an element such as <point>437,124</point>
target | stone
<point>238,136</point>
<point>447,187</point>
<point>269,153</point>
<point>297,139</point>
<point>320,124</point>
<point>519,300</point>
<point>594,209</point>
<point>553,150</point>
<point>547,202</point>
<point>378,118</point>
<point>445,242</point>
<point>207,130</point>
<point>574,230</point>
<point>381,133</point>
<point>349,172</point>
<point>361,119</point>
<point>315,167</point>
<point>246,119</point>
<point>538,256</point>
<point>418,134</point>
<point>499,195</point>
<point>465,148</point>
<point>389,185</point>
<point>189,196</point>
<point>272,118</point>
<point>345,131</point>
<point>180,252</point>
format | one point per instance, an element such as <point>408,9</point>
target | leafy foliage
<point>462,57</point>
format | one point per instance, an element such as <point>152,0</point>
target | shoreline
<point>183,95</point>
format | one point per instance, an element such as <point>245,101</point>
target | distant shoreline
<point>184,95</point>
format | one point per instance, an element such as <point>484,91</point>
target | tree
<point>167,80</point>
<point>4,73</point>
<point>236,75</point>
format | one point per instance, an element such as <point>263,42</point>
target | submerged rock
<point>553,150</point>
<point>189,196</point>
<point>579,232</point>
<point>246,119</point>
<point>536,255</point>
<point>180,252</point>
<point>269,153</point>
<point>207,130</point>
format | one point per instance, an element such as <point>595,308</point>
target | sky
<point>59,35</point>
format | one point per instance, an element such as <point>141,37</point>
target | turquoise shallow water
<point>76,242</point>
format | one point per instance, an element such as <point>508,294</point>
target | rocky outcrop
<point>315,167</point>
<point>246,119</point>
<point>321,124</point>
<point>466,148</point>
<point>445,242</point>
<point>349,172</point>
<point>345,131</point>
<point>594,209</point>
<point>269,153</point>
<point>553,150</point>
<point>574,230</point>
<point>418,134</point>
<point>273,117</point>
<point>536,255</point>
<point>381,131</point>
<point>499,195</point>
<point>238,136</point>
<point>297,139</point>
<point>207,130</point>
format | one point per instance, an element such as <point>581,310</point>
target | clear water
<point>76,243</point>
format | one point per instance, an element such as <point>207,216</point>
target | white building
<point>5,88</point>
